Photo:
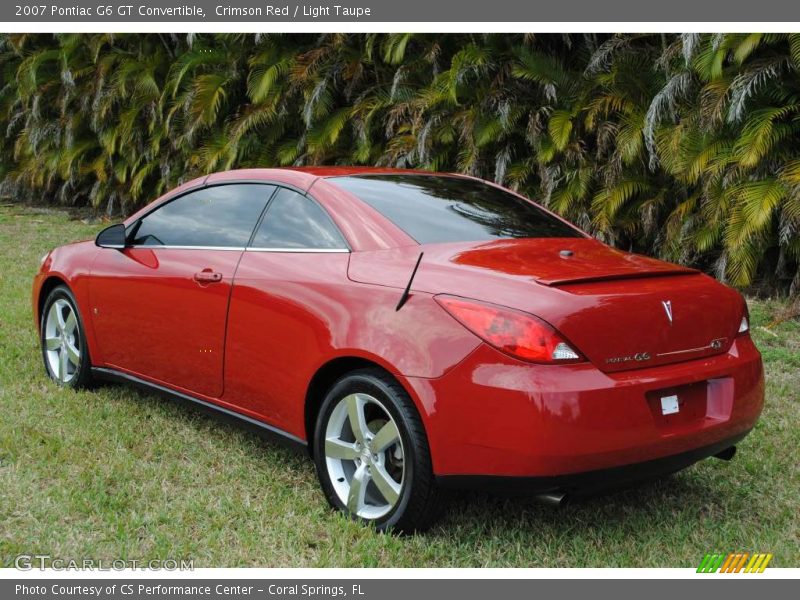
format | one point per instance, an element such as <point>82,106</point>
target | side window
<point>220,216</point>
<point>295,221</point>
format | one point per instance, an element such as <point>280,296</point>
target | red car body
<point>266,339</point>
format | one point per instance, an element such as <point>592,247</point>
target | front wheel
<point>372,455</point>
<point>63,340</point>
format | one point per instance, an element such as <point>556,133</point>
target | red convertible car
<point>415,331</point>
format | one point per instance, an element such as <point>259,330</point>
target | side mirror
<point>112,237</point>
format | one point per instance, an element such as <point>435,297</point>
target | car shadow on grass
<point>659,503</point>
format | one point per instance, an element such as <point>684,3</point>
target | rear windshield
<point>433,208</point>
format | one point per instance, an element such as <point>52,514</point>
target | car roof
<point>304,177</point>
<point>344,171</point>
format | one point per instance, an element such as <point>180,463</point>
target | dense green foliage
<point>682,146</point>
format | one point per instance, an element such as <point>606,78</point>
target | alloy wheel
<point>62,341</point>
<point>364,456</point>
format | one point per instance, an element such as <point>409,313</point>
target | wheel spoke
<point>73,354</point>
<point>52,343</point>
<point>355,413</point>
<point>387,436</point>
<point>71,323</point>
<point>336,448</point>
<point>54,316</point>
<point>60,304</point>
<point>62,365</point>
<point>358,490</point>
<point>387,486</point>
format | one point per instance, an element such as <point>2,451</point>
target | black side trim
<point>260,427</point>
<point>589,481</point>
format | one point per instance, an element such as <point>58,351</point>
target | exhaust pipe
<point>726,454</point>
<point>556,499</point>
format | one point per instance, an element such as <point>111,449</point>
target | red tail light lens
<point>516,333</point>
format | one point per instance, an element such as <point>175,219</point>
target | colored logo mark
<point>735,562</point>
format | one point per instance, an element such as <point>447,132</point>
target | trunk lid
<point>555,262</point>
<point>652,321</point>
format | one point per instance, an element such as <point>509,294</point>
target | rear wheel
<point>63,341</point>
<point>372,455</point>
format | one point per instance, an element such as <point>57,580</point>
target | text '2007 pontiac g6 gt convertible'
<point>415,331</point>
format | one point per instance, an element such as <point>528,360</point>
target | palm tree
<point>683,146</point>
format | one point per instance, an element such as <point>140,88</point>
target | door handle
<point>207,276</point>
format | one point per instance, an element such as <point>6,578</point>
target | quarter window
<point>217,216</point>
<point>295,221</point>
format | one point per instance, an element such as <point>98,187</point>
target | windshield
<point>433,208</point>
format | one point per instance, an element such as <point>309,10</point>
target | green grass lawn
<point>120,473</point>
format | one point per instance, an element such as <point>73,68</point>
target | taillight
<point>516,333</point>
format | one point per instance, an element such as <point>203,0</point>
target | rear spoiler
<point>671,271</point>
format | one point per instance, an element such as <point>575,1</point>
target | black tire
<point>80,376</point>
<point>420,502</point>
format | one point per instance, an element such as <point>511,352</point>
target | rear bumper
<point>494,416</point>
<point>589,481</point>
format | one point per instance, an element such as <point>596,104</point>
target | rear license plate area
<point>678,406</point>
